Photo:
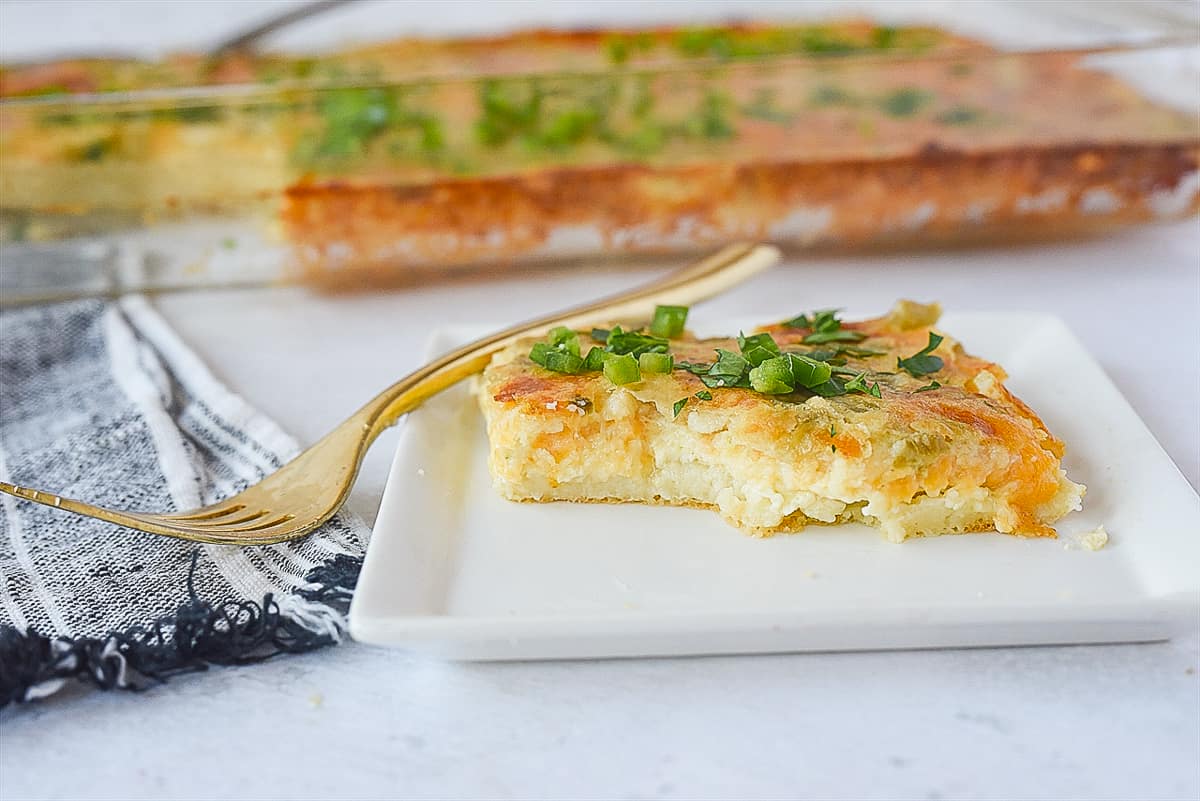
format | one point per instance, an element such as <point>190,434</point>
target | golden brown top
<point>956,425</point>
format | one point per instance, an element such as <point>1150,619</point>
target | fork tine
<point>275,519</point>
<point>271,532</point>
<point>226,521</point>
<point>209,528</point>
<point>220,509</point>
<point>153,523</point>
<point>30,494</point>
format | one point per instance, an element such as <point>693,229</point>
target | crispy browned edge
<point>868,198</point>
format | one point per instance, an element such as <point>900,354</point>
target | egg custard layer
<point>924,446</point>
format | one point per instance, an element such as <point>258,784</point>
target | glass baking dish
<point>415,159</point>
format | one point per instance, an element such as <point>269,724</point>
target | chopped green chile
<point>563,337</point>
<point>594,361</point>
<point>668,321</point>
<point>560,361</point>
<point>806,372</point>
<point>622,369</point>
<point>627,356</point>
<point>773,377</point>
<point>656,362</point>
<point>560,354</point>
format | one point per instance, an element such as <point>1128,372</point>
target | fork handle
<point>713,275</point>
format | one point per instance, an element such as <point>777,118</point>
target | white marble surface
<point>358,722</point>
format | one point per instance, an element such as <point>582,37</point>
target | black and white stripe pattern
<point>101,401</point>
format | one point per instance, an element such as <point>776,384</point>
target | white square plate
<point>455,570</point>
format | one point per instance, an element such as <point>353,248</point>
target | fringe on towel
<point>197,635</point>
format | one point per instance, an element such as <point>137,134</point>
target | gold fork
<point>308,490</point>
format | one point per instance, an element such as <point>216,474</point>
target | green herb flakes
<point>826,327</point>
<point>859,384</point>
<point>729,370</point>
<point>923,362</point>
<point>757,348</point>
<point>621,342</point>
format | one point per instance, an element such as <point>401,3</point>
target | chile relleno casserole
<point>885,421</point>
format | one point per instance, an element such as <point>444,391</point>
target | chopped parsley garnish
<point>858,353</point>
<point>959,115</point>
<point>761,365</point>
<point>729,371</point>
<point>830,389</point>
<point>757,348</point>
<point>929,386</point>
<point>923,362</point>
<point>695,368</point>
<point>821,337</point>
<point>765,107</point>
<point>826,327</point>
<point>905,102</point>
<point>818,321</point>
<point>621,342</point>
<point>859,384</point>
<point>831,96</point>
<point>678,407</point>
<point>668,321</point>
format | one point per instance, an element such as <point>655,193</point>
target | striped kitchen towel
<point>101,401</point>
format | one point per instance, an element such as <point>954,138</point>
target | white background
<point>1080,722</point>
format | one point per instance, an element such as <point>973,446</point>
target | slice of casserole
<point>883,421</point>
